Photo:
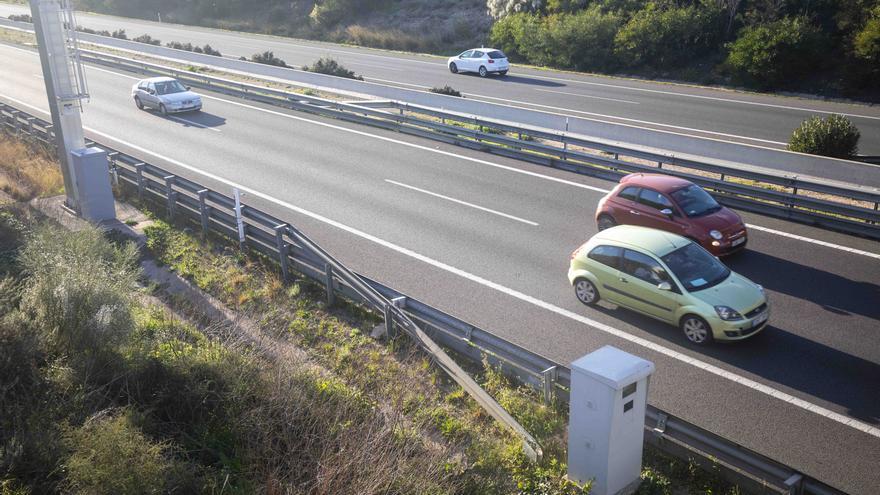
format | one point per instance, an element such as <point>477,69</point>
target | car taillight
<point>491,61</point>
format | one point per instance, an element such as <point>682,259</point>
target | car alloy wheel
<point>586,292</point>
<point>606,222</point>
<point>483,71</point>
<point>139,103</point>
<point>696,330</point>
<point>453,68</point>
<point>163,110</point>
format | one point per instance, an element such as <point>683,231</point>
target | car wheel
<point>453,68</point>
<point>139,103</point>
<point>586,292</point>
<point>696,330</point>
<point>163,110</point>
<point>483,71</point>
<point>606,222</point>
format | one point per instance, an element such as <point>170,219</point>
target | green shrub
<point>111,455</point>
<point>120,34</point>
<point>79,288</point>
<point>268,58</point>
<point>663,36</point>
<point>520,37</point>
<point>834,136</point>
<point>191,48</point>
<point>446,90</point>
<point>21,18</point>
<point>769,55</point>
<point>584,40</point>
<point>146,38</point>
<point>326,65</point>
<point>866,44</point>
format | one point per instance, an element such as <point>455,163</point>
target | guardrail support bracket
<point>170,195</point>
<point>660,429</point>
<point>282,250</point>
<point>795,484</point>
<point>204,213</point>
<point>328,283</point>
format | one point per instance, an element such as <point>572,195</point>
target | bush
<point>583,41</point>
<point>501,8</point>
<point>21,18</point>
<point>668,36</point>
<point>119,34</point>
<point>207,50</point>
<point>79,289</point>
<point>446,90</point>
<point>771,54</point>
<point>111,455</point>
<point>146,38</point>
<point>327,13</point>
<point>866,44</point>
<point>833,136</point>
<point>268,58</point>
<point>92,31</point>
<point>331,67</point>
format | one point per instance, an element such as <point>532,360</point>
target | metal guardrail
<point>212,212</point>
<point>845,207</point>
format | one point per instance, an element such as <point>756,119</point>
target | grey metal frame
<point>212,212</point>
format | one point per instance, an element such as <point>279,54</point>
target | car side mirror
<point>667,212</point>
<point>151,91</point>
<point>664,286</point>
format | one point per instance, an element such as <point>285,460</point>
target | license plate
<point>760,319</point>
<point>738,241</point>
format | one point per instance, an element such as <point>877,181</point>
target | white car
<point>165,94</point>
<point>483,61</point>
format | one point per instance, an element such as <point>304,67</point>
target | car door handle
<point>634,212</point>
<point>624,280</point>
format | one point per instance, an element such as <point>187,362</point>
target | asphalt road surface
<point>752,118</point>
<point>488,240</point>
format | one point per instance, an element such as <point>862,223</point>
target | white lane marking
<point>38,76</point>
<point>587,96</point>
<point>465,203</point>
<point>746,382</point>
<point>815,241</point>
<point>483,162</point>
<point>383,67</point>
<point>192,123</point>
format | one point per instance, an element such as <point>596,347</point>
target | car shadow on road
<point>198,120</point>
<point>830,291</point>
<point>518,80</point>
<point>787,359</point>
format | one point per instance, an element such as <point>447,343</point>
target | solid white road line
<point>465,203</point>
<point>587,96</point>
<point>474,160</point>
<point>653,346</point>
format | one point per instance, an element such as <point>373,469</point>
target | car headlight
<point>727,313</point>
<point>761,289</point>
<point>714,234</point>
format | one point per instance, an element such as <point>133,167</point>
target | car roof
<point>658,182</point>
<point>487,50</point>
<point>157,79</point>
<point>657,242</point>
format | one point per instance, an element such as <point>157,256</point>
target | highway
<point>488,240</point>
<point>737,116</point>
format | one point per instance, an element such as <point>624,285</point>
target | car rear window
<point>497,54</point>
<point>629,193</point>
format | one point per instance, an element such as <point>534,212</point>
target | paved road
<point>721,114</point>
<point>804,392</point>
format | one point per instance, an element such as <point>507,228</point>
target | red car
<point>674,205</point>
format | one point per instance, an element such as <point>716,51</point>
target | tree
<point>770,54</point>
<point>501,8</point>
<point>866,44</point>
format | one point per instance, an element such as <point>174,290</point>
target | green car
<point>670,278</point>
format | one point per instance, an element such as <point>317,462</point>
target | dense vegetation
<point>830,46</point>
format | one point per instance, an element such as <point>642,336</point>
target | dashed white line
<point>653,346</point>
<point>815,241</point>
<point>458,201</point>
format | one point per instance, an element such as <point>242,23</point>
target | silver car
<point>165,94</point>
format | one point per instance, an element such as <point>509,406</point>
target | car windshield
<point>169,87</point>
<point>695,201</point>
<point>696,268</point>
<point>497,54</point>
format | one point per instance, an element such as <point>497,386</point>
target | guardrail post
<point>170,195</point>
<point>15,125</point>
<point>282,250</point>
<point>550,375</point>
<point>203,212</point>
<point>659,164</point>
<point>795,484</point>
<point>390,331</point>
<point>30,125</point>
<point>139,170</point>
<point>328,282</point>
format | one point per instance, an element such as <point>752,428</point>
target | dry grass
<point>27,172</point>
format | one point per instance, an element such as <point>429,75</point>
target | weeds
<point>446,90</point>
<point>331,67</point>
<point>27,171</point>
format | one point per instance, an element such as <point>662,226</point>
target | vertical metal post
<point>282,250</point>
<point>203,212</point>
<point>328,283</point>
<point>139,170</point>
<point>564,142</point>
<point>170,195</point>
<point>659,164</point>
<point>549,375</point>
<point>390,330</point>
<point>239,219</point>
